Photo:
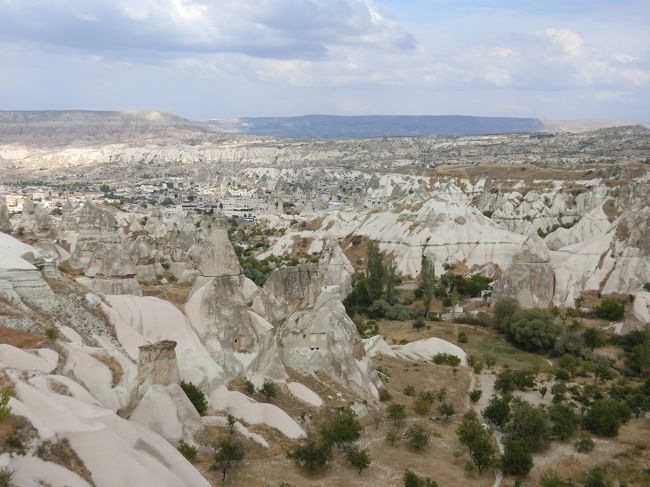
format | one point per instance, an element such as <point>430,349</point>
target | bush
<point>534,335</point>
<point>385,395</point>
<point>378,309</point>
<point>552,479</point>
<point>517,458</point>
<point>396,413</point>
<point>605,417</point>
<point>646,286</point>
<point>392,438</point>
<point>509,380</point>
<point>596,478</point>
<point>475,395</point>
<point>249,388</point>
<point>462,337</point>
<point>359,458</point>
<point>594,338</point>
<point>564,421</point>
<point>422,406</point>
<point>446,410</point>
<point>504,310</point>
<point>446,359</point>
<point>6,477</point>
<point>409,391</point>
<point>269,390</point>
<point>52,333</point>
<point>344,429</point>
<point>312,455</point>
<point>413,480</point>
<point>610,309</point>
<point>529,424</point>
<point>419,324</point>
<point>584,444</point>
<point>477,440</point>
<point>497,410</point>
<point>5,395</point>
<point>196,397</point>
<point>187,450</point>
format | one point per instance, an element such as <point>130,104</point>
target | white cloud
<point>570,42</point>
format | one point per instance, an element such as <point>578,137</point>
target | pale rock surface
<point>39,360</point>
<point>127,285</point>
<point>427,348</point>
<point>376,345</point>
<point>323,337</point>
<point>638,318</point>
<point>291,289</point>
<point>157,365</point>
<point>530,278</point>
<point>305,394</point>
<point>115,451</point>
<point>142,320</point>
<point>222,421</point>
<point>233,334</point>
<point>166,410</point>
<point>335,269</point>
<point>216,255</point>
<point>248,410</point>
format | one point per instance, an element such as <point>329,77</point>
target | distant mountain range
<point>64,127</point>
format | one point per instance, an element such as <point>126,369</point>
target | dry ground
<point>21,339</point>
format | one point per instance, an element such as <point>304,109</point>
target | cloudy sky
<point>555,59</point>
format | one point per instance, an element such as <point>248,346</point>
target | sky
<point>550,59</point>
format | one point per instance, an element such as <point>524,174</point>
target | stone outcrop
<point>290,289</point>
<point>638,318</point>
<point>157,365</point>
<point>530,278</point>
<point>215,255</point>
<point>335,269</point>
<point>324,338</point>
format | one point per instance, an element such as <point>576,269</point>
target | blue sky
<point>226,58</point>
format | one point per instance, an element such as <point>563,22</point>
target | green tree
<point>418,436</point>
<point>345,428</point>
<point>528,423</point>
<point>610,309</point>
<point>477,440</point>
<point>497,410</point>
<point>396,413</point>
<point>375,271</point>
<point>594,338</point>
<point>5,410</point>
<point>196,396</point>
<point>446,410</point>
<point>359,458</point>
<point>504,310</point>
<point>411,479</point>
<point>517,458</point>
<point>392,277</point>
<point>564,421</point>
<point>230,451</point>
<point>187,450</point>
<point>475,395</point>
<point>605,417</point>
<point>313,454</point>
<point>427,283</point>
<point>269,390</point>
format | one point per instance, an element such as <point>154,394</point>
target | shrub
<point>396,413</point>
<point>504,310</point>
<point>477,440</point>
<point>462,337</point>
<point>446,410</point>
<point>605,417</point>
<point>4,403</point>
<point>584,444</point>
<point>475,395</point>
<point>196,397</point>
<point>229,452</point>
<point>596,478</point>
<point>385,395</point>
<point>509,380</point>
<point>269,390</point>
<point>187,450</point>
<point>409,391</point>
<point>594,338</point>
<point>517,458</point>
<point>446,359</point>
<point>344,429</point>
<point>312,455</point>
<point>419,324</point>
<point>418,436</point>
<point>552,479</point>
<point>610,309</point>
<point>52,333</point>
<point>359,458</point>
<point>378,309</point>
<point>422,406</point>
<point>392,438</point>
<point>646,286</point>
<point>564,421</point>
<point>249,388</point>
<point>412,480</point>
<point>6,476</point>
